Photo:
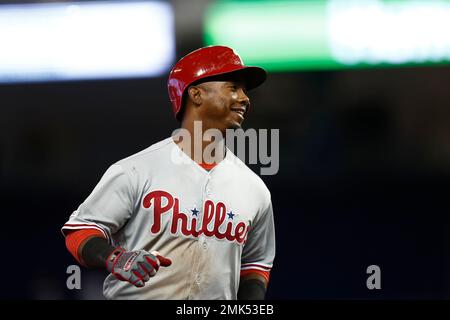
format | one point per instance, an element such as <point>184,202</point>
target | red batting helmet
<point>207,62</point>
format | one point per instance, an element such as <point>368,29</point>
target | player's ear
<point>195,95</point>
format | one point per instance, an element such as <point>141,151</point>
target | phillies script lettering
<point>214,216</point>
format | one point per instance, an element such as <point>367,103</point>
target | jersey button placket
<point>208,192</point>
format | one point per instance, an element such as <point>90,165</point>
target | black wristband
<point>251,289</point>
<point>95,252</point>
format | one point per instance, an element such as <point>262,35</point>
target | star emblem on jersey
<point>230,215</point>
<point>195,212</point>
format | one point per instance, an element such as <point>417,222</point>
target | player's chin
<point>235,122</point>
<point>233,125</point>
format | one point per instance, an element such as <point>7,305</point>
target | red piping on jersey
<point>245,265</point>
<point>69,226</point>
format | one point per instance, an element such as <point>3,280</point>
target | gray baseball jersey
<point>211,224</point>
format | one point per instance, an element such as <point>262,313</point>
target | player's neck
<point>193,141</point>
<point>200,147</point>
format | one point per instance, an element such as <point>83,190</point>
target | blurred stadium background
<point>360,91</point>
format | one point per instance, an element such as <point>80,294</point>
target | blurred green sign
<point>312,35</point>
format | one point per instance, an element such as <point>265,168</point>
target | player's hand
<point>136,267</point>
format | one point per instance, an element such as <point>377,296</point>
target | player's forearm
<point>95,251</point>
<point>251,289</point>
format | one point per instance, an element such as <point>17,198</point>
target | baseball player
<point>183,230</point>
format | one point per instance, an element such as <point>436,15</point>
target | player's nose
<point>243,99</point>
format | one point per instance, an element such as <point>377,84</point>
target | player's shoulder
<point>149,154</point>
<point>247,175</point>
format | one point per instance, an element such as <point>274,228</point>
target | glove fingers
<point>142,275</point>
<point>139,271</point>
<point>135,280</point>
<point>148,268</point>
<point>153,261</point>
<point>146,277</point>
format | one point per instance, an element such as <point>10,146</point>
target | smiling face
<point>223,103</point>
